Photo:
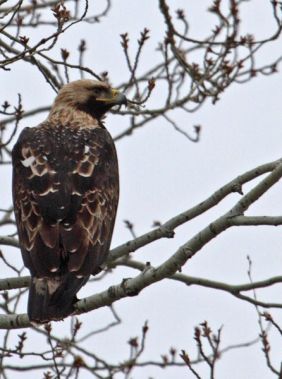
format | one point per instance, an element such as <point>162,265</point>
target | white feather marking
<point>28,161</point>
<point>52,190</point>
<point>36,172</point>
<point>74,269</point>
<point>54,269</point>
<point>85,175</point>
<point>76,193</point>
<point>67,227</point>
<point>86,149</point>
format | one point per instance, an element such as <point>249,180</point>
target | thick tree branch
<point>256,220</point>
<point>9,241</point>
<point>14,283</point>
<point>232,289</point>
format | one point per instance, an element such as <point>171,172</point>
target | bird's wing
<point>65,189</point>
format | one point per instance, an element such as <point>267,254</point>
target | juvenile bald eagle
<point>65,191</point>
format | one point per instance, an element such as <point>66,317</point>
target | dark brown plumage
<point>65,190</point>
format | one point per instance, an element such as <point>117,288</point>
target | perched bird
<point>65,192</point>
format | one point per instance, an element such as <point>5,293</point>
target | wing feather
<point>65,188</point>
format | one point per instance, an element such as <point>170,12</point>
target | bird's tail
<point>53,298</point>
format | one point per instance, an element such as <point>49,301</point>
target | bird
<point>65,192</point>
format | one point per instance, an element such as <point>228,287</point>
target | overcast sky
<point>163,174</point>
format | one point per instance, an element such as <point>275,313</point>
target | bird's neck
<point>70,116</point>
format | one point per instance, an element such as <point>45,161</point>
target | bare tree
<point>185,72</point>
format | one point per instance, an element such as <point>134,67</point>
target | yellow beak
<point>116,98</point>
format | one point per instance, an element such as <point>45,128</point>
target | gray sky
<point>163,174</point>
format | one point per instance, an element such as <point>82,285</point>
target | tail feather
<point>53,298</point>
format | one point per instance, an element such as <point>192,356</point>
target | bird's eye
<point>97,91</point>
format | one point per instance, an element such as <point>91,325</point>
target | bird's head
<point>91,96</point>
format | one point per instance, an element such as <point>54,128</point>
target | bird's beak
<point>116,98</point>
